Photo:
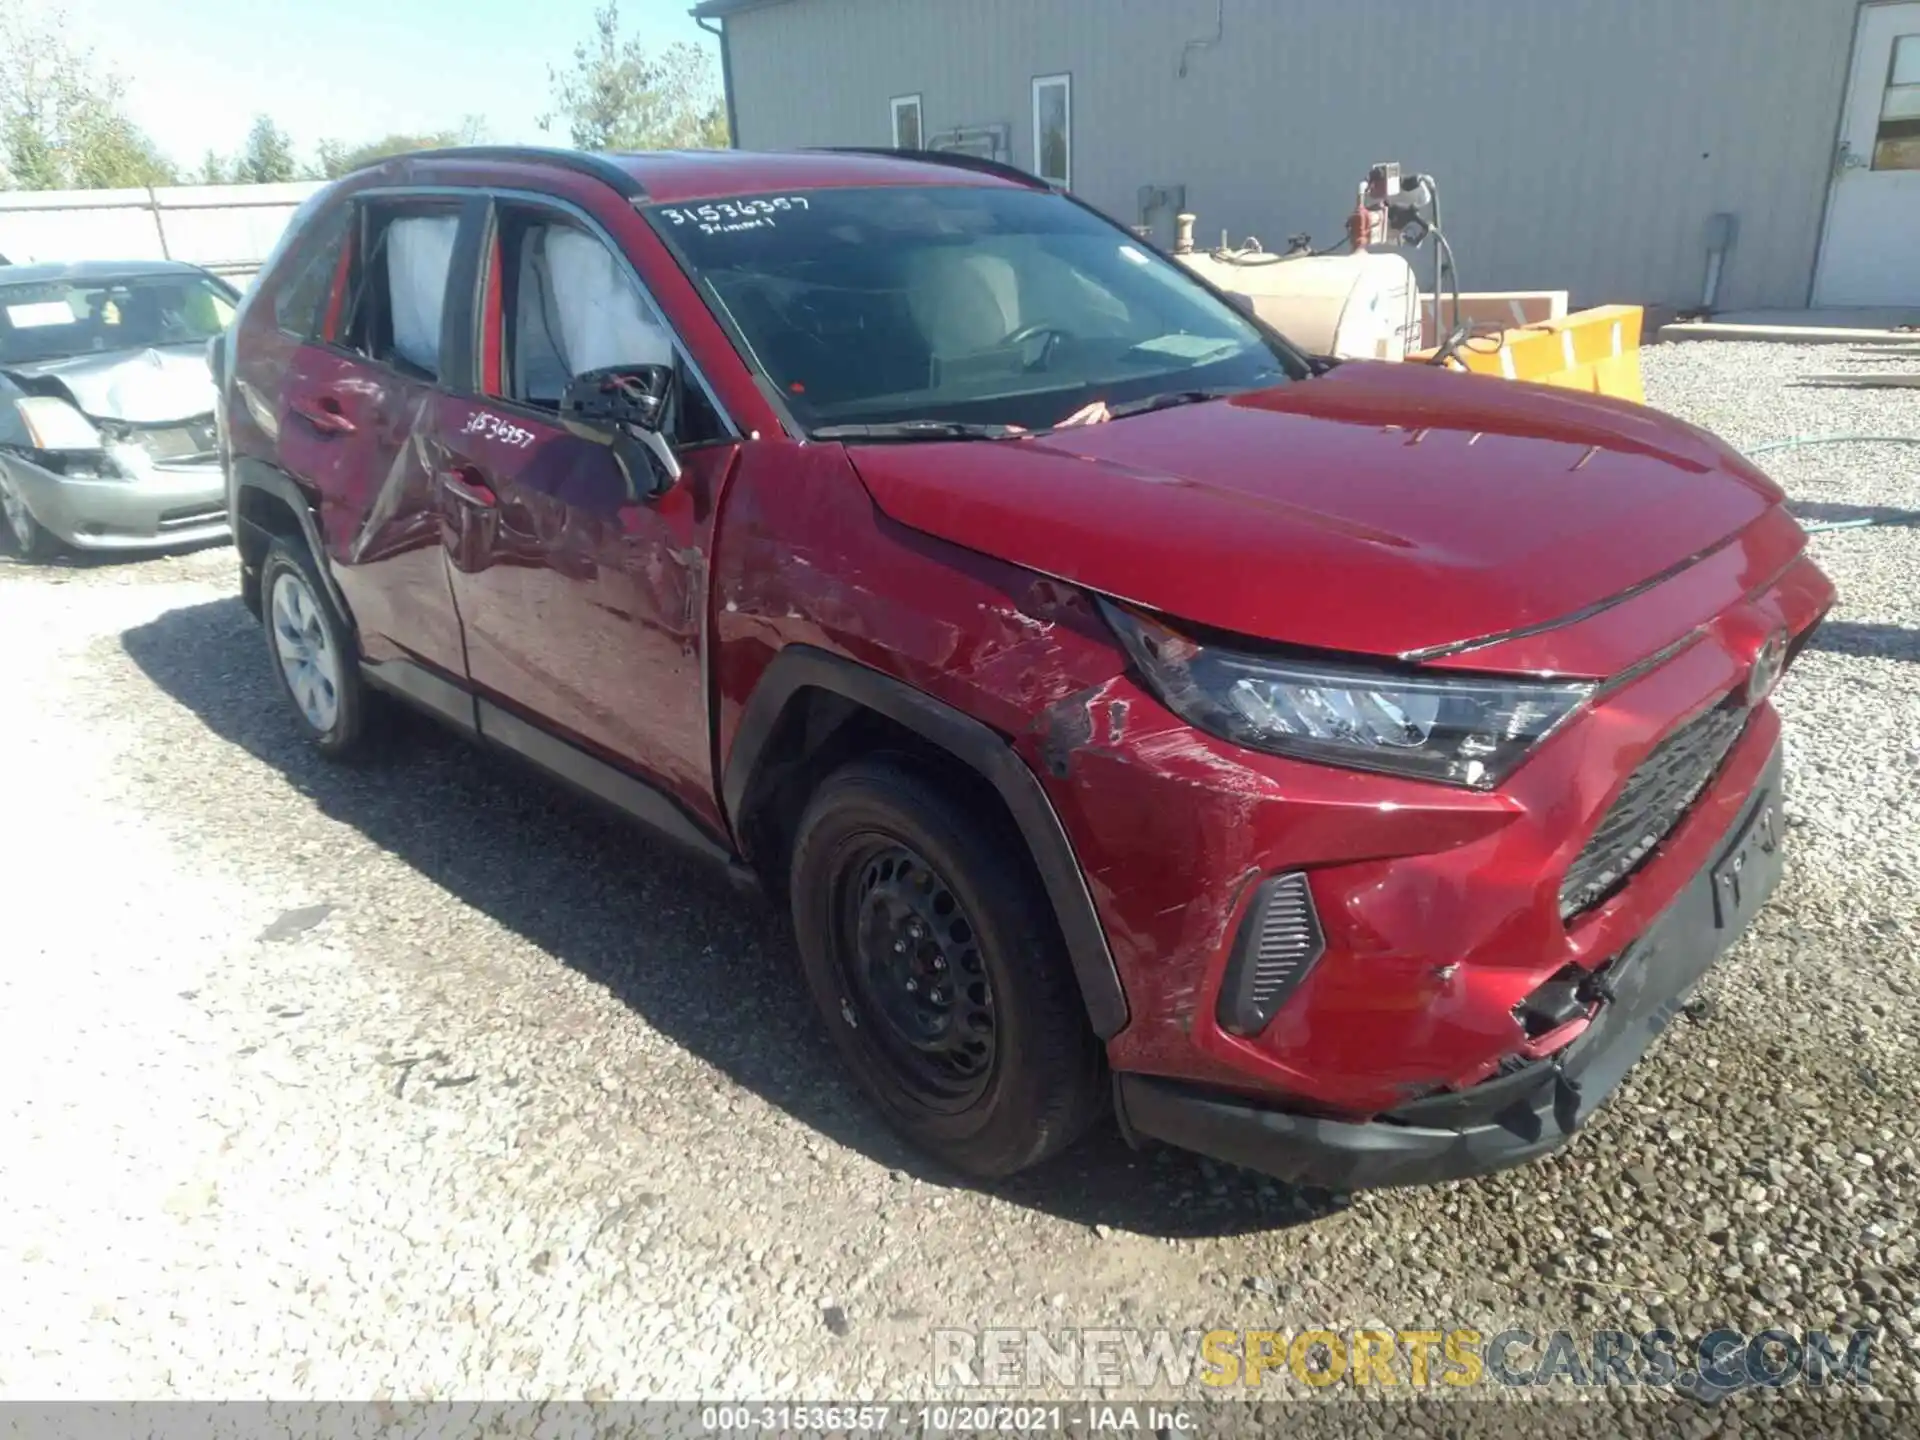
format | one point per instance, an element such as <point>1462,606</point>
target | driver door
<point>581,603</point>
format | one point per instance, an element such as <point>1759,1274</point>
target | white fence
<point>228,229</point>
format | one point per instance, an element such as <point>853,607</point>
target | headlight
<point>1464,730</point>
<point>53,424</point>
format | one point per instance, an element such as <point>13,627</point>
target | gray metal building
<point>1580,144</point>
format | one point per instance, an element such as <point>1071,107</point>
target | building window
<point>1053,129</point>
<point>1897,143</point>
<point>906,123</point>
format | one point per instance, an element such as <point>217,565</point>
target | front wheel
<point>31,539</point>
<point>936,962</point>
<point>312,650</point>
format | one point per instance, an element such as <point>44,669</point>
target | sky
<point>198,71</point>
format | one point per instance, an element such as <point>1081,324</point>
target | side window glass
<point>298,306</point>
<point>572,306</point>
<point>400,290</point>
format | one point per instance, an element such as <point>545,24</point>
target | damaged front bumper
<point>182,504</point>
<point>1517,1116</point>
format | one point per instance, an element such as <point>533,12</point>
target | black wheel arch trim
<point>986,752</point>
<point>249,474</point>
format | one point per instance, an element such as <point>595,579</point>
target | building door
<point>1870,254</point>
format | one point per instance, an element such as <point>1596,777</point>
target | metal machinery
<point>1362,300</point>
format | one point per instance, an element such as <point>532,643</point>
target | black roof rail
<point>581,162</point>
<point>955,159</point>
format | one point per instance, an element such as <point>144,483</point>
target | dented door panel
<point>379,510</point>
<point>583,607</point>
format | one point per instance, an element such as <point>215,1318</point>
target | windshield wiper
<point>1165,401</point>
<point>917,430</point>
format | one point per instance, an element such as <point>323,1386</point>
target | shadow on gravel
<point>667,935</point>
<point>1859,637</point>
<point>1822,512</point>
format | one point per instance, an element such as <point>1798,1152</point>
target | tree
<point>214,170</point>
<point>62,122</point>
<point>268,157</point>
<point>336,158</point>
<point>618,95</point>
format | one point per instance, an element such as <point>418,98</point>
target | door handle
<point>463,482</point>
<point>324,414</point>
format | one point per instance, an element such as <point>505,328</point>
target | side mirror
<point>625,408</point>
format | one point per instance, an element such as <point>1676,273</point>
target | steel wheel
<point>307,655</point>
<point>914,972</point>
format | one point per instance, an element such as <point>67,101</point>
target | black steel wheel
<point>914,969</point>
<point>936,961</point>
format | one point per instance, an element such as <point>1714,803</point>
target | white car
<point>107,433</point>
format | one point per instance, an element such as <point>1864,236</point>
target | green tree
<point>268,156</point>
<point>62,121</point>
<point>619,95</point>
<point>337,158</point>
<point>214,170</point>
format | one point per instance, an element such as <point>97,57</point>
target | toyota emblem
<point>1767,666</point>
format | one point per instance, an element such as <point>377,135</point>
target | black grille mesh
<point>1655,799</point>
<point>1279,942</point>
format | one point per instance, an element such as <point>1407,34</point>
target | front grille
<point>1279,942</point>
<point>174,444</point>
<point>1655,800</point>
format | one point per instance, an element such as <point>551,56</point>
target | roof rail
<point>956,159</point>
<point>581,162</point>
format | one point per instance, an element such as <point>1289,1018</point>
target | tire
<point>883,848</point>
<point>31,540</point>
<point>312,650</point>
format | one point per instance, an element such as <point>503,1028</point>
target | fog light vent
<point>1279,942</point>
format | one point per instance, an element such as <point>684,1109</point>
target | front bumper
<point>1440,909</point>
<point>169,505</point>
<point>1500,1122</point>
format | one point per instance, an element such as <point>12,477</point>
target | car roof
<point>84,270</point>
<point>675,176</point>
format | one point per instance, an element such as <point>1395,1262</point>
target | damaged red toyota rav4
<point>1342,770</point>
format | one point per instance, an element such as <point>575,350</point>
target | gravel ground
<point>417,1079</point>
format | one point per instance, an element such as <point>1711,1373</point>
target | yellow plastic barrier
<point>1595,350</point>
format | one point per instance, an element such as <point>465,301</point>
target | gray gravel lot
<point>418,1079</point>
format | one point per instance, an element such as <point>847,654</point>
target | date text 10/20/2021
<point>943,1419</point>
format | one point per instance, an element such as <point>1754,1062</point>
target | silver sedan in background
<point>107,434</point>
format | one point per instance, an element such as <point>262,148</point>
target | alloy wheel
<point>308,658</point>
<point>19,521</point>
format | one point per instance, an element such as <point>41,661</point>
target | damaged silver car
<point>107,433</point>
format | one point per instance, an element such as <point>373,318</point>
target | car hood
<point>140,387</point>
<point>1381,509</point>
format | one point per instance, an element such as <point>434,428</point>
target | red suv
<point>1343,770</point>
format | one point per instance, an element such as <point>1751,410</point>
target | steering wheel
<point>1032,331</point>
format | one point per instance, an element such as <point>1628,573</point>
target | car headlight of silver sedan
<point>68,443</point>
<point>1468,730</point>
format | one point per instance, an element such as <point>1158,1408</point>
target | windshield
<point>55,319</point>
<point>958,303</point>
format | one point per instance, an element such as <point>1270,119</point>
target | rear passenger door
<point>359,423</point>
<point>582,604</point>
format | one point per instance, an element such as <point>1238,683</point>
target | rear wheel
<point>31,539</point>
<point>312,651</point>
<point>935,959</point>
